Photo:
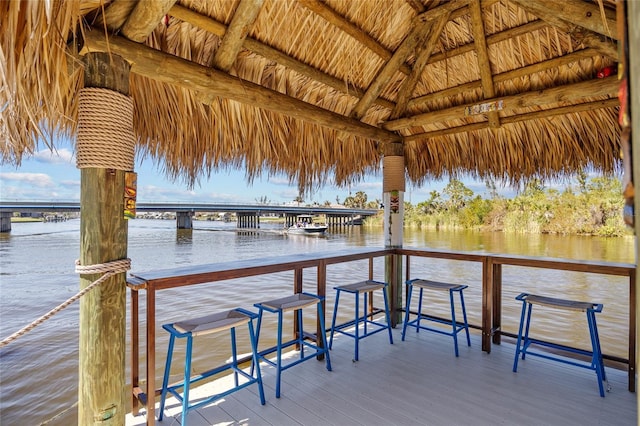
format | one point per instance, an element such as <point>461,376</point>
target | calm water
<point>38,372</point>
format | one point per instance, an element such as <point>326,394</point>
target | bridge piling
<point>5,221</point>
<point>248,220</point>
<point>184,220</point>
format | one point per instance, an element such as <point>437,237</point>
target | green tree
<point>432,205</point>
<point>473,214</point>
<point>375,204</point>
<point>458,194</point>
<point>358,201</point>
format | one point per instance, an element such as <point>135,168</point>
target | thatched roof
<point>502,89</point>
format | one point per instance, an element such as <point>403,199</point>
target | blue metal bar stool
<point>296,303</point>
<point>364,288</point>
<point>437,286</point>
<point>524,341</point>
<point>214,323</point>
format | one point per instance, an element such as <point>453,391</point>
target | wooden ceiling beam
<point>219,29</point>
<point>457,10</point>
<point>578,12</point>
<point>494,38</point>
<point>482,55</point>
<point>409,84</point>
<point>568,93</point>
<point>504,76</point>
<point>116,14</point>
<point>236,33</point>
<point>340,22</point>
<point>416,5</point>
<point>446,8</point>
<point>406,48</point>
<point>210,83</point>
<point>579,33</point>
<point>415,38</point>
<point>144,18</point>
<point>536,115</point>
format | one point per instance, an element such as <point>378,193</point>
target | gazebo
<point>317,90</point>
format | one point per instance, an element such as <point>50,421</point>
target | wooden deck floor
<point>420,382</point>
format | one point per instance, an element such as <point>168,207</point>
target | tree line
<point>591,207</point>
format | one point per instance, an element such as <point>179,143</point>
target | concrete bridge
<point>247,215</point>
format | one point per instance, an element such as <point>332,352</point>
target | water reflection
<point>184,236</point>
<point>29,289</point>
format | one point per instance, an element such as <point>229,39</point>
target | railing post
<point>496,289</point>
<point>135,352</point>
<point>151,355</point>
<point>322,292</point>
<point>297,288</point>
<point>632,330</point>
<point>487,302</point>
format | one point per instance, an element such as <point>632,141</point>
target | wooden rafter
<point>408,46</point>
<point>210,83</point>
<point>416,5</point>
<point>578,12</point>
<point>144,18</point>
<point>572,109</point>
<point>422,58</point>
<point>482,54</point>
<point>581,34</point>
<point>219,29</point>
<point>493,38</point>
<point>569,93</point>
<point>504,76</point>
<point>236,33</point>
<point>337,20</point>
<point>116,14</point>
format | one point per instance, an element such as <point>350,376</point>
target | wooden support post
<point>633,50</point>
<point>103,238</point>
<point>393,199</point>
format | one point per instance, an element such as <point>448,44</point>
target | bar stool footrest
<point>316,351</point>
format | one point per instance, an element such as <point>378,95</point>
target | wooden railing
<point>155,281</point>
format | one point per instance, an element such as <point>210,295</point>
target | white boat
<point>305,225</point>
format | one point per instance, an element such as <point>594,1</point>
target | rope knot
<point>113,267</point>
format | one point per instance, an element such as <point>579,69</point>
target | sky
<point>53,176</point>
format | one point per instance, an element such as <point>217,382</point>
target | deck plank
<point>420,381</point>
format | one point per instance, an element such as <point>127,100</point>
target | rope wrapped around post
<point>105,132</point>
<point>108,269</point>
<point>393,173</point>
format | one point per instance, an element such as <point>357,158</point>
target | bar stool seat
<point>297,303</point>
<point>437,286</point>
<point>214,323</point>
<point>524,341</point>
<point>364,288</point>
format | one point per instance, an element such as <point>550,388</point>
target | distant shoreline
<point>26,219</point>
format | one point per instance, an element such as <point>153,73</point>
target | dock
<point>420,382</point>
